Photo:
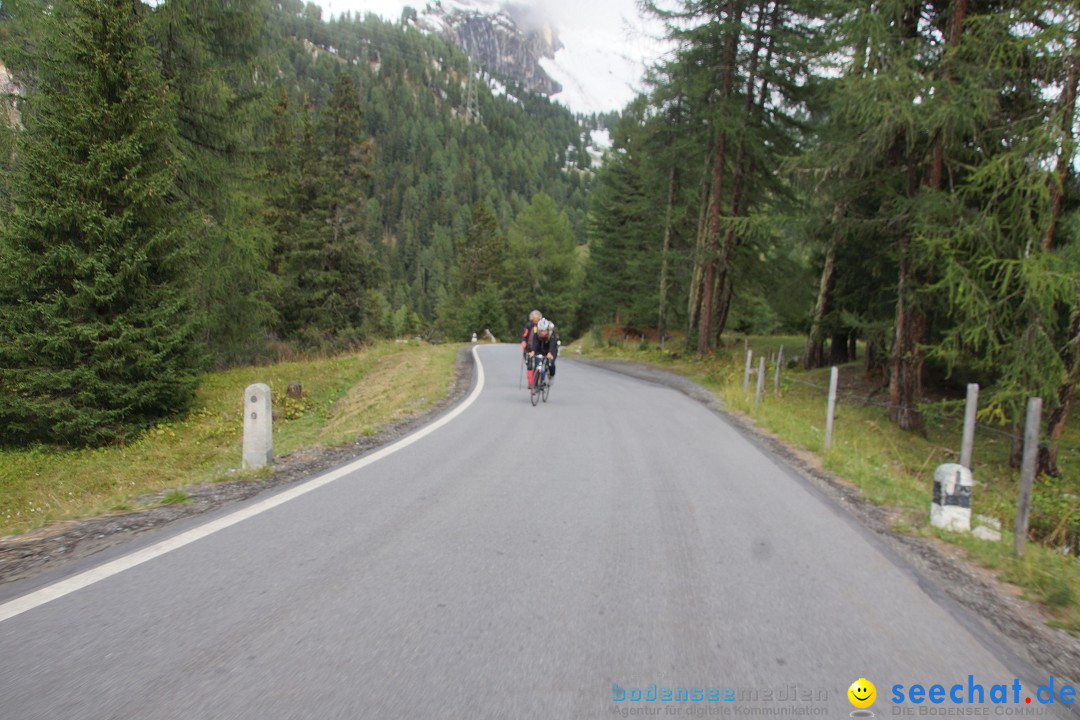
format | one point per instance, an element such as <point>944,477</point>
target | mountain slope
<point>509,42</point>
<point>589,57</point>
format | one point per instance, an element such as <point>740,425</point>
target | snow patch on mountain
<point>595,50</point>
<point>611,79</point>
<point>9,93</point>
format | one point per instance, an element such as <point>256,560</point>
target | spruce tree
<point>625,228</point>
<point>543,260</point>
<point>481,258</point>
<point>478,300</point>
<point>95,337</point>
<point>740,73</point>
<point>210,57</point>
<point>330,265</point>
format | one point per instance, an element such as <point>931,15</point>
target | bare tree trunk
<point>712,244</point>
<point>956,27</point>
<point>724,306</point>
<point>1059,417</point>
<point>905,376</point>
<point>1016,451</point>
<point>1068,99</point>
<point>724,287</point>
<point>693,309</point>
<point>905,383</point>
<point>853,345</point>
<point>815,343</point>
<point>725,281</point>
<point>877,353</point>
<point>838,349</point>
<point>708,280</point>
<point>661,322</point>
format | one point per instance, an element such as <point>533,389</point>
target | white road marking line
<point>64,587</point>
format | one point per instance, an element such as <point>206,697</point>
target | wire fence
<point>1055,502</point>
<point>935,410</point>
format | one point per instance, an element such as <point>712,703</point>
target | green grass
<point>344,397</point>
<point>176,497</point>
<point>892,467</point>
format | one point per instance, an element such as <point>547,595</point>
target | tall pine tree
<point>95,337</point>
<point>625,227</point>
<point>545,264</point>
<point>210,56</point>
<point>330,265</point>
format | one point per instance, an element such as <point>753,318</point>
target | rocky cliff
<point>507,41</point>
<point>9,93</point>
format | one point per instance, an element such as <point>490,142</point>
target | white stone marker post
<point>258,427</point>
<point>951,506</point>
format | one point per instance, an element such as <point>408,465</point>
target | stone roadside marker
<point>258,427</point>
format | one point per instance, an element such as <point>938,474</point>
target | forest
<point>201,184</point>
<point>899,176</point>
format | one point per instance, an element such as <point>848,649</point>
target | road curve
<point>517,562</point>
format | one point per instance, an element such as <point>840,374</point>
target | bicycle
<point>541,386</point>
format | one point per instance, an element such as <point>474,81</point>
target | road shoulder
<point>942,570</point>
<point>50,549</point>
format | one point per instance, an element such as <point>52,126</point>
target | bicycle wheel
<point>547,387</point>
<point>534,392</point>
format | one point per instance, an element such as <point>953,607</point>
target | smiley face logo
<point>862,693</point>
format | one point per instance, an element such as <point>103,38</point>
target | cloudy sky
<point>607,42</point>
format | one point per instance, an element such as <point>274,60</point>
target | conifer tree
<point>881,102</point>
<point>95,335</point>
<point>544,264</point>
<point>479,286</point>
<point>329,260</point>
<point>625,229</point>
<point>483,254</point>
<point>1010,277</point>
<point>743,69</point>
<point>210,55</point>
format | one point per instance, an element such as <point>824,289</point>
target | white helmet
<point>545,325</point>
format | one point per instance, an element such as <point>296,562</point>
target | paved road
<point>518,562</point>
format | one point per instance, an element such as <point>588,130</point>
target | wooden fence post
<point>1027,473</point>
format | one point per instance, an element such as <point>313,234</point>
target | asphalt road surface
<point>516,562</point>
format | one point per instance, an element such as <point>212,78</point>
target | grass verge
<point>892,467</point>
<point>343,397</point>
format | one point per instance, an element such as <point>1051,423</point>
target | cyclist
<point>530,326</point>
<point>544,342</point>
